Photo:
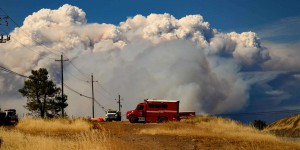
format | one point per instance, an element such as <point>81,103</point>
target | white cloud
<point>284,56</point>
<point>155,56</point>
<point>282,28</point>
<point>275,92</point>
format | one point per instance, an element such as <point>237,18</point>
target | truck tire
<point>133,119</point>
<point>162,119</point>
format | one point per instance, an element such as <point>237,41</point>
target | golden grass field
<point>289,126</point>
<point>201,132</point>
<point>58,134</point>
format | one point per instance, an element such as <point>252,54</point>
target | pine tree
<point>42,95</point>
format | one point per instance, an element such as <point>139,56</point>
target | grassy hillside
<point>201,132</point>
<point>226,133</point>
<point>58,134</point>
<point>289,126</point>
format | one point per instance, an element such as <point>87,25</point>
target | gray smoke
<point>144,57</point>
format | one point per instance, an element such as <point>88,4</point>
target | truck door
<point>141,112</point>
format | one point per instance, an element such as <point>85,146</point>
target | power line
<point>106,91</point>
<point>93,99</point>
<point>78,70</point>
<point>75,77</point>
<point>25,45</point>
<point>10,71</point>
<point>71,89</point>
<point>62,79</point>
<point>96,101</point>
<point>49,49</point>
<point>41,44</point>
<point>38,43</point>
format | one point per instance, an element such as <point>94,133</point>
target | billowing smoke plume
<point>154,57</point>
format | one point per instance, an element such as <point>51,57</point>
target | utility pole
<point>119,102</point>
<point>3,21</point>
<point>93,99</point>
<point>62,82</point>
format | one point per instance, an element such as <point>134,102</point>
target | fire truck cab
<point>155,111</point>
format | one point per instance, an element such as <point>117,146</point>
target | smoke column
<point>145,57</point>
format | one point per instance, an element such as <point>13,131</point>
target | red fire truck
<point>157,111</point>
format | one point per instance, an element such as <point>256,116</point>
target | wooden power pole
<point>119,102</point>
<point>62,82</point>
<point>93,98</point>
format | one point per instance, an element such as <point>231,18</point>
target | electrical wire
<point>51,52</point>
<point>68,87</point>
<point>26,46</point>
<point>78,69</point>
<point>71,89</point>
<point>10,71</point>
<point>106,91</point>
<point>69,73</point>
<point>41,44</point>
<point>47,48</point>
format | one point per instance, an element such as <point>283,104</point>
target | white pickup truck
<point>113,115</point>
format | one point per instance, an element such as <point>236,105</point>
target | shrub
<point>259,124</point>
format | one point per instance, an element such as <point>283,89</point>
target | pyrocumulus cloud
<point>156,57</point>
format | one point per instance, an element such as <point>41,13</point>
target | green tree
<point>57,104</point>
<point>259,124</point>
<point>42,95</point>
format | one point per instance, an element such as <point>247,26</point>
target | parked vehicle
<point>113,115</point>
<point>157,111</point>
<point>8,117</point>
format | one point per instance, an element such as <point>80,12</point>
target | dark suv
<point>8,117</point>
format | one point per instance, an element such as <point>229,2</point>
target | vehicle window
<point>2,115</point>
<point>157,105</point>
<point>151,105</point>
<point>112,112</point>
<point>164,106</point>
<point>140,107</point>
<point>10,113</point>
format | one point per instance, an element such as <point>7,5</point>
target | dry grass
<point>53,126</point>
<point>289,126</point>
<point>292,122</point>
<point>58,134</point>
<point>203,132</point>
<point>236,135</point>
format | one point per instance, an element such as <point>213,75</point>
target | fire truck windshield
<point>140,107</point>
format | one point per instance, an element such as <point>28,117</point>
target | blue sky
<point>260,16</point>
<point>276,22</point>
<point>225,15</point>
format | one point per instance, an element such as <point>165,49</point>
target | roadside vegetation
<point>228,134</point>
<point>201,132</point>
<point>288,127</point>
<point>53,126</point>
<point>54,134</point>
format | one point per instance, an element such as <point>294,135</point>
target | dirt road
<point>128,135</point>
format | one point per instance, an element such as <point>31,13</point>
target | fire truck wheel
<point>133,119</point>
<point>162,119</point>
